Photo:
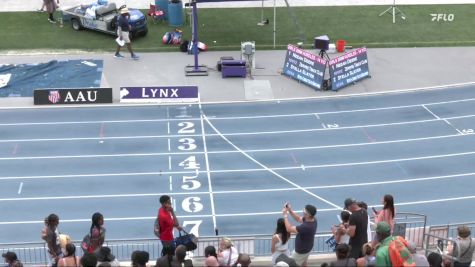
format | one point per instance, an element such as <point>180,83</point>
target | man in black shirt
<point>358,227</point>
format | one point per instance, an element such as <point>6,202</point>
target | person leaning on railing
<point>462,248</point>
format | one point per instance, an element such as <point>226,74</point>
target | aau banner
<point>73,96</point>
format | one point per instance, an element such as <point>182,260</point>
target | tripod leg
<point>403,16</point>
<point>394,14</point>
<point>385,11</point>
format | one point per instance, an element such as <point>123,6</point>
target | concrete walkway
<point>390,68</point>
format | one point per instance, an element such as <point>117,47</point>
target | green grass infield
<point>226,28</point>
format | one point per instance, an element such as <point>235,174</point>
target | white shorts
<point>125,36</point>
<point>300,258</point>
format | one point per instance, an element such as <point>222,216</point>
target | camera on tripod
<point>322,43</point>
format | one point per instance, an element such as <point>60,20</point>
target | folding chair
<point>157,15</point>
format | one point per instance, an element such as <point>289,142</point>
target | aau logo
<point>54,96</point>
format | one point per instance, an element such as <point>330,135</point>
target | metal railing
<point>257,245</point>
<point>410,225</point>
<point>437,237</point>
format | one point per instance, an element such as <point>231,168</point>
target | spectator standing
<point>88,260</point>
<point>104,255</point>
<point>341,231</point>
<point>211,257</point>
<point>383,233</point>
<point>123,30</point>
<point>364,206</point>
<point>388,212</point>
<point>368,260</point>
<point>358,227</point>
<point>419,259</point>
<point>69,258</point>
<point>139,258</point>
<point>97,233</point>
<point>463,247</point>
<point>179,259</point>
<point>166,221</point>
<point>305,231</point>
<point>287,260</point>
<point>167,256</point>
<point>228,254</point>
<point>11,259</point>
<point>279,243</point>
<point>243,260</point>
<point>51,7</point>
<point>342,257</point>
<point>434,259</point>
<point>52,239</point>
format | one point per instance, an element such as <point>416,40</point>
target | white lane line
<point>234,151</point>
<point>242,170</point>
<point>238,214</point>
<point>445,120</point>
<point>168,127</point>
<point>94,122</point>
<point>345,111</point>
<point>96,138</point>
<point>432,113</point>
<point>171,183</point>
<point>208,174</point>
<point>240,133</point>
<point>316,115</point>
<point>20,188</point>
<point>270,190</point>
<point>267,168</point>
<point>169,145</point>
<point>169,163</point>
<point>324,126</point>
<point>241,117</point>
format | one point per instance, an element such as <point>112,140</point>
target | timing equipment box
<point>322,42</point>
<point>233,68</point>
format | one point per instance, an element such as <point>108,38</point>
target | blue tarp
<point>25,78</point>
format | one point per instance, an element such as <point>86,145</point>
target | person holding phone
<point>305,231</point>
<point>388,212</point>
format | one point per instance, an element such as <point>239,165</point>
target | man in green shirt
<point>389,253</point>
<point>383,232</point>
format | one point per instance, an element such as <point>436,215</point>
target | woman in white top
<point>280,244</point>
<point>340,231</point>
<point>228,254</point>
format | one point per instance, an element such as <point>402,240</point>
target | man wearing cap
<point>383,231</point>
<point>401,254</point>
<point>123,28</point>
<point>305,231</point>
<point>357,229</point>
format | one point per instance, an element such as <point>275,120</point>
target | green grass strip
<point>228,27</point>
